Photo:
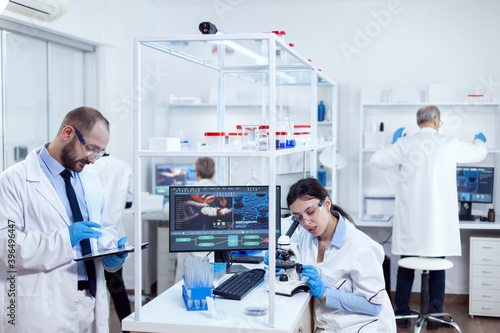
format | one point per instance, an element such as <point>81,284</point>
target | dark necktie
<point>85,243</point>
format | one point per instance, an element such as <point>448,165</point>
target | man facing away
<point>426,208</point>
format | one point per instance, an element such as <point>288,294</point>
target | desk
<point>457,281</point>
<point>471,225</point>
<point>479,225</point>
<point>152,223</point>
<point>167,313</point>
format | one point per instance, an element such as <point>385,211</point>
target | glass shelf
<point>432,103</point>
<point>245,56</point>
<point>237,153</point>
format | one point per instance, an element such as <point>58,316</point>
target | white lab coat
<point>426,206</point>
<point>116,179</point>
<point>45,273</point>
<point>356,268</point>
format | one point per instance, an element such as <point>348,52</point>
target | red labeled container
<point>215,140</point>
<point>280,140</point>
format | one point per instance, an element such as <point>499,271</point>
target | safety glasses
<point>92,151</point>
<point>310,213</point>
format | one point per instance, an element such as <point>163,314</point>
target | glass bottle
<point>253,180</point>
<point>280,140</point>
<point>290,139</point>
<point>491,215</point>
<point>321,111</point>
<point>322,175</point>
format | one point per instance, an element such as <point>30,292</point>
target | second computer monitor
<point>171,174</point>
<point>474,184</point>
<point>220,218</point>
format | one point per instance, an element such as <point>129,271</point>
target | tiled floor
<point>114,322</point>
<point>459,311</point>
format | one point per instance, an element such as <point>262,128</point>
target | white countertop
<point>167,313</point>
<point>472,225</point>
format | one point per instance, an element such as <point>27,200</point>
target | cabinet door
<point>65,77</point>
<point>25,80</point>
<point>42,82</point>
<point>486,308</point>
<point>484,277</point>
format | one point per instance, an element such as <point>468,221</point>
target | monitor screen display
<point>475,184</point>
<point>166,175</point>
<point>220,218</point>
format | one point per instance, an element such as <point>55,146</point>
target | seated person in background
<point>342,264</point>
<point>205,170</point>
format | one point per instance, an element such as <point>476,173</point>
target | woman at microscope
<point>342,264</point>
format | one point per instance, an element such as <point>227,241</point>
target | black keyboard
<point>238,285</point>
<point>247,259</point>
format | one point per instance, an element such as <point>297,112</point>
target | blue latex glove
<point>317,287</point>
<point>266,258</point>
<point>266,261</point>
<point>83,230</point>
<point>113,261</point>
<point>480,136</point>
<point>398,134</point>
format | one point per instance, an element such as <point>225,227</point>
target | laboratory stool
<point>426,265</point>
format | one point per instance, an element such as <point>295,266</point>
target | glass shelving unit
<point>262,63</point>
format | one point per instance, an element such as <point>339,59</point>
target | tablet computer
<point>111,252</point>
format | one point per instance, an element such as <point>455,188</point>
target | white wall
<point>410,44</point>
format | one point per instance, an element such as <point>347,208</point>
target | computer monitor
<point>474,184</point>
<point>221,219</point>
<point>166,175</point>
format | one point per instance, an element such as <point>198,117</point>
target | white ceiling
<point>190,3</point>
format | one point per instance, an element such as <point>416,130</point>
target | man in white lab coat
<point>116,180</point>
<point>51,211</point>
<point>426,206</point>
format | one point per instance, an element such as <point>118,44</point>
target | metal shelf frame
<point>264,60</point>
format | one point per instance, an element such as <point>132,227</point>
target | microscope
<point>288,258</point>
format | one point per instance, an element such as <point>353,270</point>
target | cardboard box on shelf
<point>441,93</point>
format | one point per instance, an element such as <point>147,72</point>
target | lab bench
<point>167,313</point>
<point>466,276</point>
<point>471,225</point>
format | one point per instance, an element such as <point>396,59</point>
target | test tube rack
<point>195,298</point>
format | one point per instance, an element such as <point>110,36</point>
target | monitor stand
<point>465,213</point>
<point>225,256</point>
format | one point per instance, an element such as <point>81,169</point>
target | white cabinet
<point>260,73</point>
<point>459,120</point>
<point>166,262</point>
<point>484,289</point>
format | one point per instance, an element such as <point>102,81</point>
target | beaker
<point>215,140</point>
<point>249,136</point>
<point>290,139</point>
<point>263,137</point>
<point>234,141</point>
